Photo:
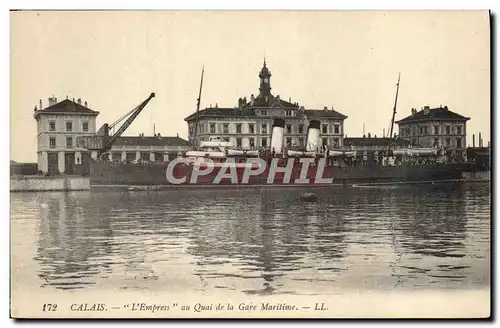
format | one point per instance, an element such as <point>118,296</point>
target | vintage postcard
<point>250,164</point>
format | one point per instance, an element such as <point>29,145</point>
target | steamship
<point>218,164</point>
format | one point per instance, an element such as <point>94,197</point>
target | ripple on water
<point>255,242</point>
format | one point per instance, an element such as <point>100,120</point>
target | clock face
<point>266,80</point>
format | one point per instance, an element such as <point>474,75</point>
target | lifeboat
<point>242,152</point>
<point>416,151</point>
<point>337,153</point>
<point>300,153</point>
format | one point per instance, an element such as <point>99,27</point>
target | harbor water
<point>253,241</point>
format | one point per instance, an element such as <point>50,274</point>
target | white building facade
<point>249,125</point>
<point>58,127</point>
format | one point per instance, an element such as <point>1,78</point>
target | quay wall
<point>48,183</point>
<point>477,175</point>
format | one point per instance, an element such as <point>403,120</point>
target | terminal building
<point>60,123</point>
<point>439,127</point>
<point>248,125</point>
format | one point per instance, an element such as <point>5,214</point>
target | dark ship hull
<point>107,174</point>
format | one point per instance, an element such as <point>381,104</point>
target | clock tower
<point>265,81</point>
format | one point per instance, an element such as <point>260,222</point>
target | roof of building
<point>150,141</point>
<point>373,141</point>
<point>264,100</point>
<point>67,106</point>
<point>438,113</point>
<point>324,113</point>
<point>250,112</point>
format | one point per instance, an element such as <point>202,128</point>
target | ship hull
<point>107,174</point>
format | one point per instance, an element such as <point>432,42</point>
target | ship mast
<point>394,110</point>
<point>198,108</point>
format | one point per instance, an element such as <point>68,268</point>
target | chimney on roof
<point>473,140</point>
<point>177,135</point>
<point>85,103</point>
<point>52,101</point>
<point>252,100</point>
<point>159,136</point>
<point>79,101</point>
<point>216,105</point>
<point>445,107</point>
<point>426,110</point>
<point>73,99</point>
<point>289,99</point>
<point>325,108</point>
<point>41,104</point>
<point>480,140</point>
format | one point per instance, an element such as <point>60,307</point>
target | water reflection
<point>70,239</point>
<point>261,241</point>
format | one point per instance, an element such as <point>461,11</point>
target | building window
<point>436,142</point>
<point>264,142</point>
<point>226,139</point>
<point>459,142</point>
<point>263,128</point>
<point>336,129</point>
<point>69,142</point>
<point>325,141</point>
<point>263,112</point>
<point>212,128</point>
<point>52,142</point>
<point>251,128</point>
<point>238,128</point>
<point>85,126</point>
<point>324,128</point>
<point>448,129</point>
<point>436,129</point>
<point>459,130</point>
<point>251,142</point>
<point>288,141</point>
<point>69,126</point>
<point>225,128</point>
<point>413,131</point>
<point>52,126</point>
<point>288,128</point>
<point>238,142</point>
<point>301,128</point>
<point>301,141</point>
<point>288,112</point>
<point>448,142</point>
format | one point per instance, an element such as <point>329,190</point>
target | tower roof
<point>264,70</point>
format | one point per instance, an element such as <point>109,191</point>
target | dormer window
<point>263,112</point>
<point>288,112</point>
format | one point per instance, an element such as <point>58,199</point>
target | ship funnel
<point>313,137</point>
<point>277,135</point>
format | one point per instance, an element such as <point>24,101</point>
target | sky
<point>348,60</point>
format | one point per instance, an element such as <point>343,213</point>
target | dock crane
<point>102,141</point>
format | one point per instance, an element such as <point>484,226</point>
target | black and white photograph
<point>250,164</point>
